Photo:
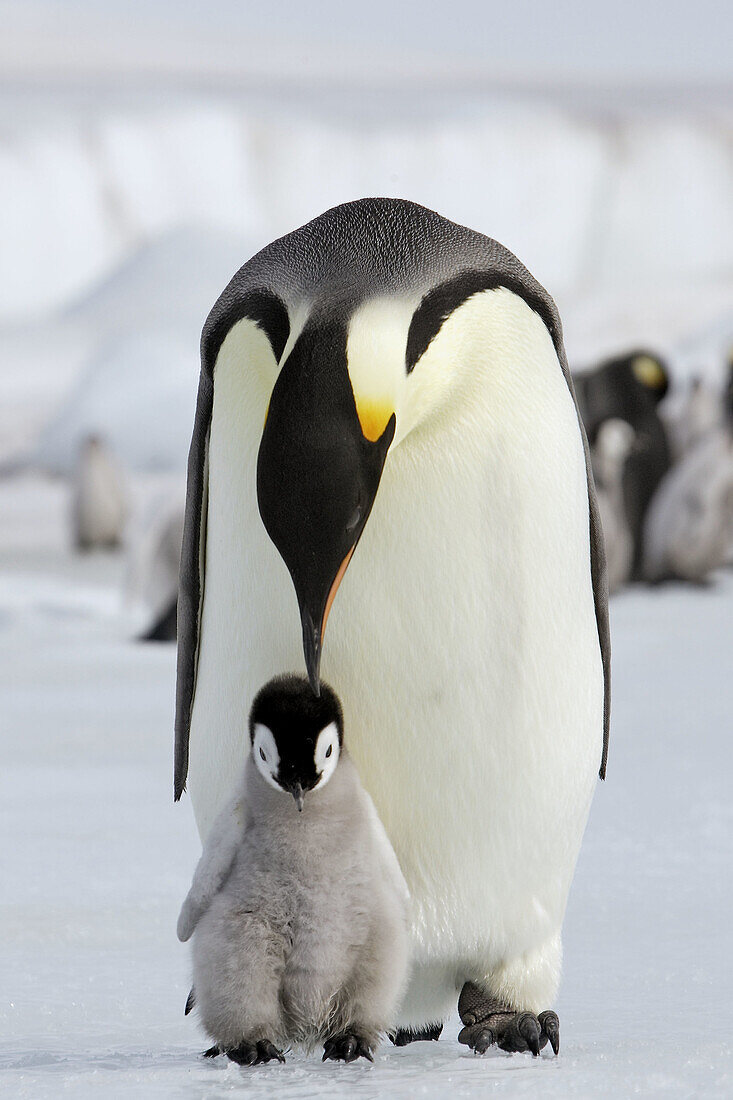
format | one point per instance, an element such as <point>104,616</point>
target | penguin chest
<point>465,648</point>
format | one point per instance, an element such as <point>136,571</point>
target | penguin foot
<point>212,1052</point>
<point>253,1054</point>
<point>488,1021</point>
<point>405,1035</point>
<point>347,1048</point>
<point>550,1030</point>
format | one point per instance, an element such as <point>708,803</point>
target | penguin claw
<point>244,1055</point>
<point>478,1037</point>
<point>550,1026</point>
<point>267,1052</point>
<point>346,1048</point>
<point>523,1033</point>
<point>254,1054</point>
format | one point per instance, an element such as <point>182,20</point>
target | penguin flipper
<point>191,578</point>
<point>214,866</point>
<point>267,313</point>
<point>599,580</point>
<point>386,852</point>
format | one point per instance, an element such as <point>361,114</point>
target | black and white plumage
<point>630,387</point>
<point>298,907</point>
<point>411,380</point>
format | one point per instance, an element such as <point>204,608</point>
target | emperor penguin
<point>630,387</point>
<point>154,568</point>
<point>298,907</point>
<point>385,409</point>
<point>99,499</point>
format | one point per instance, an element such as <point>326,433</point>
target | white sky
<point>559,40</point>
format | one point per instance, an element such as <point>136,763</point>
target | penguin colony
<point>387,440</point>
<point>663,470</point>
<point>298,907</point>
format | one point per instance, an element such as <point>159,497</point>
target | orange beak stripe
<point>334,589</point>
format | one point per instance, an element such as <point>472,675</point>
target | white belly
<point>463,644</point>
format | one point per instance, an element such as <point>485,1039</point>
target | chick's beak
<point>297,792</point>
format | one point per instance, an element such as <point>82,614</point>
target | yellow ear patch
<point>649,372</point>
<point>373,417</point>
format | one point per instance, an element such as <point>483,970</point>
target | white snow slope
<point>96,858</point>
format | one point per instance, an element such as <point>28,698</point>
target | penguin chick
<point>99,504</point>
<point>298,904</point>
<point>692,416</point>
<point>689,527</point>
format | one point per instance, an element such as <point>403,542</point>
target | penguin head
<point>296,736</point>
<point>317,474</point>
<point>650,372</point>
<point>628,387</point>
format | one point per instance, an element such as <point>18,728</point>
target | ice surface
<point>96,859</point>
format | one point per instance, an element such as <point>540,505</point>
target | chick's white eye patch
<point>326,753</point>
<point>265,754</point>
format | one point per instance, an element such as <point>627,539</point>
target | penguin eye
<point>262,754</point>
<point>329,750</point>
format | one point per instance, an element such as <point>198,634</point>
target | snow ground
<point>96,860</point>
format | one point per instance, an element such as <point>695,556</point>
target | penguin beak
<point>312,640</point>
<point>297,792</point>
<point>315,469</point>
<point>313,635</point>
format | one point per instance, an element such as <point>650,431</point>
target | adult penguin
<point>386,378</point>
<point>630,387</point>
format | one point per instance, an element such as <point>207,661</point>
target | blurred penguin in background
<point>155,558</point>
<point>630,388</point>
<point>99,498</point>
<point>692,416</point>
<point>614,443</point>
<point>689,526</point>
